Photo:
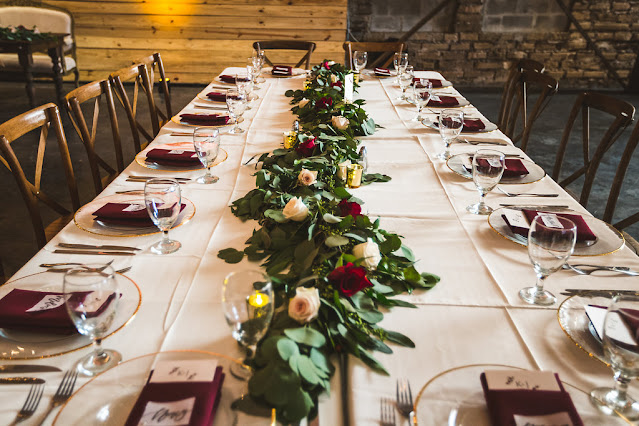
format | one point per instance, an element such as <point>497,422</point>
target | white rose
<point>307,177</point>
<point>369,253</point>
<point>303,102</point>
<point>341,167</point>
<point>295,210</point>
<point>305,305</point>
<point>330,63</point>
<point>334,78</point>
<point>340,122</point>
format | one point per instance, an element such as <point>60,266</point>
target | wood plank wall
<point>199,38</point>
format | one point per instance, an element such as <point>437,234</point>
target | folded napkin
<point>173,157</point>
<point>435,82</point>
<point>444,101</point>
<point>207,397</point>
<point>282,70</point>
<point>123,214</point>
<point>382,72</point>
<point>231,79</point>
<point>513,167</point>
<point>584,233</point>
<point>14,315</point>
<point>219,96</point>
<point>205,119</point>
<point>473,125</point>
<point>503,405</point>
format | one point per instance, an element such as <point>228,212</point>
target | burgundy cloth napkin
<point>205,119</point>
<point>207,398</point>
<point>584,233</point>
<point>14,305</point>
<point>504,404</point>
<point>282,70</point>
<point>473,125</point>
<point>382,72</point>
<point>231,79</point>
<point>514,167</point>
<point>435,82</point>
<point>113,213</point>
<point>444,101</point>
<point>216,96</point>
<point>164,157</point>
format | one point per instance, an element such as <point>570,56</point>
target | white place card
<point>493,162</point>
<point>50,301</point>
<point>596,315</point>
<point>521,379</point>
<point>170,413</point>
<point>94,300</point>
<point>516,218</point>
<point>617,329</point>
<point>557,419</point>
<point>551,220</point>
<point>176,151</point>
<point>348,88</point>
<point>467,162</point>
<point>134,207</point>
<point>184,371</point>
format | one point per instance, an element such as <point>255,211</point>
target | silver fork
<point>31,403</point>
<point>387,413</point>
<point>524,194</point>
<point>63,393</point>
<point>594,268</point>
<point>404,397</point>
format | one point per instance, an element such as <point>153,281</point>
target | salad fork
<point>524,194</point>
<point>63,393</point>
<point>404,397</point>
<point>387,413</point>
<point>30,404</point>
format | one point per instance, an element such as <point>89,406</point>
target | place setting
<point>517,170</point>
<point>182,156</point>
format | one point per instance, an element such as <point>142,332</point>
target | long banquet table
<point>473,316</point>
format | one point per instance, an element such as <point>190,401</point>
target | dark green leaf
<point>306,336</point>
<point>231,255</point>
<point>399,338</point>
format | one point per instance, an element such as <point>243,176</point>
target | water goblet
<point>253,73</point>
<point>488,167</point>
<point>451,123</point>
<point>207,145</point>
<point>400,61</point>
<point>247,301</point>
<point>359,60</point>
<point>91,300</point>
<point>422,90</point>
<point>163,201</point>
<point>405,80</point>
<point>621,347</point>
<point>236,102</point>
<point>551,241</point>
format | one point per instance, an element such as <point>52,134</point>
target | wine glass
<point>422,90</point>
<point>488,167</point>
<point>621,348</point>
<point>253,72</point>
<point>359,60</point>
<point>207,145</point>
<point>405,80</point>
<point>400,61</point>
<point>244,84</point>
<point>551,241</point>
<point>236,102</point>
<point>257,61</point>
<point>451,123</point>
<point>247,300</point>
<point>163,203</point>
<point>91,298</point>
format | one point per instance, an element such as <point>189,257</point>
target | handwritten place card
<point>596,315</point>
<point>550,220</point>
<point>467,162</point>
<point>521,379</point>
<point>493,162</point>
<point>184,371</point>
<point>170,413</point>
<point>348,88</point>
<point>556,419</point>
<point>176,152</point>
<point>50,301</point>
<point>616,329</point>
<point>516,218</point>
<point>134,207</point>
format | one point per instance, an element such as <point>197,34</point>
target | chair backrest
<point>373,46</point>
<point>622,113</point>
<point>137,74</point>
<point>96,91</point>
<point>44,117</point>
<point>47,18</point>
<point>307,46</point>
<point>152,62</point>
<point>509,92</point>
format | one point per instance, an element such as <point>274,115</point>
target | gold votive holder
<point>307,84</point>
<point>289,139</point>
<point>342,172</point>
<point>354,176</point>
<point>356,77</point>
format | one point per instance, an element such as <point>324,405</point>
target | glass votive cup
<point>289,139</point>
<point>354,176</point>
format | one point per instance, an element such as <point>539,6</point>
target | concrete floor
<point>17,241</point>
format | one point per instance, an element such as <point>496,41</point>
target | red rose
<point>305,149</point>
<point>349,207</point>
<point>350,279</point>
<point>326,65</point>
<point>336,84</point>
<point>324,103</point>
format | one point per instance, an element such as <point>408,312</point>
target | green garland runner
<point>21,33</point>
<point>332,267</point>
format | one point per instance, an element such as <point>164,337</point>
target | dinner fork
<point>404,397</point>
<point>64,391</point>
<point>31,403</point>
<point>524,194</point>
<point>594,268</point>
<point>387,413</point>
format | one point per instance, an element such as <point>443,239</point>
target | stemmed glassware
<point>247,300</point>
<point>551,241</point>
<point>236,102</point>
<point>359,60</point>
<point>400,61</point>
<point>253,73</point>
<point>257,61</point>
<point>622,349</point>
<point>451,123</point>
<point>207,145</point>
<point>91,298</point>
<point>405,79</point>
<point>245,86</point>
<point>163,201</point>
<point>421,94</point>
<point>488,167</point>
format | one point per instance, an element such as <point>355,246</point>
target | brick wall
<point>489,34</point>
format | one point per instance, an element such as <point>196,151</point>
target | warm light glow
<point>258,300</point>
<point>177,11</point>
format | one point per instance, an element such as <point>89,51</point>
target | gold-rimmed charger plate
<point>455,398</point>
<point>109,398</point>
<point>141,159</point>
<point>535,172</point>
<point>84,218</point>
<point>176,120</point>
<point>609,240</point>
<point>19,345</point>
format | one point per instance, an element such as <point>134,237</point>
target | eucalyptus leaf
<point>329,218</point>
<point>287,348</point>
<point>231,255</point>
<point>276,215</point>
<point>306,336</point>
<point>336,241</point>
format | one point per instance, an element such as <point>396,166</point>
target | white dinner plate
<point>489,127</point>
<point>535,172</point>
<point>141,159</point>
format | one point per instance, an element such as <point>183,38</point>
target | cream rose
<point>307,177</point>
<point>369,253</point>
<point>330,63</point>
<point>340,122</point>
<point>295,210</point>
<point>303,102</point>
<point>334,78</point>
<point>341,169</point>
<point>304,306</point>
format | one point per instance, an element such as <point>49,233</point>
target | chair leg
<point>77,77</point>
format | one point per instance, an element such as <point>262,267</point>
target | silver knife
<point>181,134</point>
<point>545,206</point>
<point>27,368</point>
<point>156,177</point>
<point>107,253</point>
<point>21,381</point>
<point>92,247</point>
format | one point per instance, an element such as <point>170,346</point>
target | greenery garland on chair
<point>21,33</point>
<point>332,267</point>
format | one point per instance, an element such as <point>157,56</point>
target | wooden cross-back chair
<point>376,47</point>
<point>152,62</point>
<point>138,75</point>
<point>45,117</point>
<point>509,91</point>
<point>96,91</point>
<point>622,113</point>
<point>307,46</point>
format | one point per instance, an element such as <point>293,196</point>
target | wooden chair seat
<point>306,46</point>
<point>41,63</point>
<point>387,50</point>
